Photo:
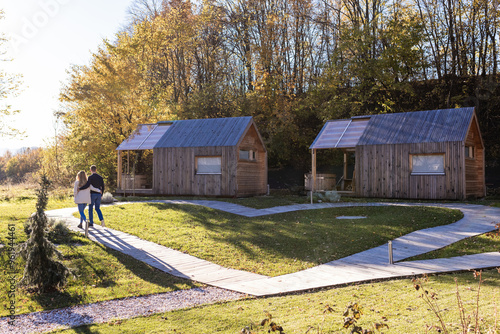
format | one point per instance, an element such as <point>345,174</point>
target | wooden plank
<point>119,170</point>
<point>223,276</point>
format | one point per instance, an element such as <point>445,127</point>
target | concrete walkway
<point>365,266</point>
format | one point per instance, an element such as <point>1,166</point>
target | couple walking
<point>89,191</point>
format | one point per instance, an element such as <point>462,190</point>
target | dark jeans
<point>95,199</point>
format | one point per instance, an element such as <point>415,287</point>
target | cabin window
<point>247,155</point>
<point>427,164</point>
<point>469,152</point>
<point>208,165</point>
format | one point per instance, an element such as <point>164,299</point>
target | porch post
<point>313,172</point>
<point>127,180</point>
<point>345,170</point>
<point>128,162</point>
<point>119,171</point>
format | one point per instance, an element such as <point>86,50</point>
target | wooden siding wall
<point>174,172</point>
<point>384,171</point>
<point>252,175</point>
<point>474,167</point>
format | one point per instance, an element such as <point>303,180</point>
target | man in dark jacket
<point>95,197</point>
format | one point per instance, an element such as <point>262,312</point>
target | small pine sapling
<point>41,272</point>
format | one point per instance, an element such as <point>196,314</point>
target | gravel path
<point>74,316</point>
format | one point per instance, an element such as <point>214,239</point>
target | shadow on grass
<point>49,299</point>
<point>85,330</point>
<point>143,264</point>
<point>469,280</point>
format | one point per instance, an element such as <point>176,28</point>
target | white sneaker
<point>102,223</point>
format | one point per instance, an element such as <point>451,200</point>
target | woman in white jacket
<point>82,197</point>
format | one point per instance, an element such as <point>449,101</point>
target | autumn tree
<point>23,164</point>
<point>104,102</point>
<point>4,159</point>
<point>292,64</point>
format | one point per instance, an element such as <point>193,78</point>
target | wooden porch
<point>134,192</point>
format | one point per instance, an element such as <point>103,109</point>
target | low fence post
<point>390,252</point>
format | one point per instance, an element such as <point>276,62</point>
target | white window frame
<point>204,170</point>
<point>439,168</point>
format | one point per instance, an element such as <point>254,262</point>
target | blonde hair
<point>82,178</point>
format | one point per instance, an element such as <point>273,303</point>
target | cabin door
<point>348,178</point>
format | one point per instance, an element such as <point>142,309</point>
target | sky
<point>45,38</point>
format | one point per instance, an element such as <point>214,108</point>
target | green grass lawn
<point>101,273</point>
<point>275,244</point>
<point>484,243</point>
<point>395,303</point>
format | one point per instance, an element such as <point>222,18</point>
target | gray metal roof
<point>144,137</point>
<point>205,132</point>
<point>187,133</point>
<point>410,127</point>
<point>443,125</point>
<point>343,133</point>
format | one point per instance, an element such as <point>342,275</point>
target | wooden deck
<point>365,266</point>
<point>134,192</point>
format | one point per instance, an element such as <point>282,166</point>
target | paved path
<point>368,265</point>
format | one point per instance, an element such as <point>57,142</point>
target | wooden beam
<point>345,164</point>
<point>313,172</point>
<point>345,170</point>
<point>128,171</point>
<point>128,159</point>
<point>119,171</point>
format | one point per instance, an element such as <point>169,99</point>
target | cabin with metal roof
<point>434,154</point>
<point>200,157</point>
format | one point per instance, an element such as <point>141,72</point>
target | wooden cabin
<point>202,157</point>
<point>435,154</point>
